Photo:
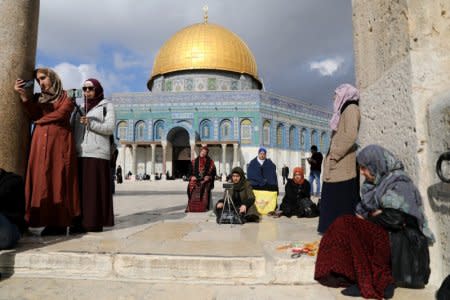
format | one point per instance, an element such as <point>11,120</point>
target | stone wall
<point>402,62</point>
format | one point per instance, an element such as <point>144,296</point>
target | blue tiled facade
<point>222,116</point>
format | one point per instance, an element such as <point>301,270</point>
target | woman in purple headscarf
<point>340,190</point>
<point>93,131</point>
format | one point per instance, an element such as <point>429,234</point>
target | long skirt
<point>338,199</point>
<point>353,251</point>
<point>96,194</point>
<point>199,194</point>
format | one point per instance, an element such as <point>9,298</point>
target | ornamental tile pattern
<point>191,108</point>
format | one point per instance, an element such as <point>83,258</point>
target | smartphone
<point>28,84</point>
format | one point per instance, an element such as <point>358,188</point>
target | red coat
<point>51,185</point>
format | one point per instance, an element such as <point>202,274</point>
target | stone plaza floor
<point>156,251</point>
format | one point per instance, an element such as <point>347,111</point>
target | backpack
<point>113,147</point>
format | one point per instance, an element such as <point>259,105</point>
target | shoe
<point>251,218</point>
<point>51,230</point>
<point>77,230</point>
<point>352,291</point>
<point>94,229</point>
<point>389,291</point>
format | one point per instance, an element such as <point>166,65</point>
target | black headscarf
<point>240,185</point>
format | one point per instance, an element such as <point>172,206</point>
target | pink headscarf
<point>345,92</point>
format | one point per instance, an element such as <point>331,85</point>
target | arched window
<point>139,132</point>
<point>266,133</point>
<point>205,130</point>
<point>122,130</point>
<point>246,131</point>
<point>291,136</point>
<point>280,129</point>
<point>158,130</point>
<point>313,140</point>
<point>303,138</point>
<point>225,130</point>
<point>323,140</point>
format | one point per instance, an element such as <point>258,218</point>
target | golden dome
<point>204,46</point>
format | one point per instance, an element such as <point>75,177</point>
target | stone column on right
<point>236,160</point>
<point>18,40</point>
<point>152,170</point>
<point>402,62</point>
<point>134,161</point>
<point>223,169</point>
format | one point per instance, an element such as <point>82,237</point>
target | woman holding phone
<point>51,185</point>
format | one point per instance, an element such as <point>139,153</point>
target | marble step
<point>266,269</point>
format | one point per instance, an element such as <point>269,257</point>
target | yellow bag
<point>265,201</point>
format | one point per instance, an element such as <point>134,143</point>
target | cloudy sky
<point>303,48</point>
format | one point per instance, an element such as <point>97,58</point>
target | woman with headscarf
<point>93,132</point>
<point>386,242</point>
<point>242,196</point>
<point>201,182</point>
<point>340,190</point>
<point>51,184</point>
<point>296,200</point>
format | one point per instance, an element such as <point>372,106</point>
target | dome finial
<point>205,14</point>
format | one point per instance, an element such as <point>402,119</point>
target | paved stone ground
<point>156,251</point>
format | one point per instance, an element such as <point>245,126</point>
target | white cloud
<point>327,67</point>
<point>121,62</point>
<point>72,76</point>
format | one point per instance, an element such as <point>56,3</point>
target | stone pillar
<point>164,148</point>
<point>152,175</point>
<point>236,160</point>
<point>124,153</point>
<point>402,73</point>
<point>134,160</point>
<point>147,160</point>
<point>224,162</point>
<point>18,39</point>
<point>192,151</point>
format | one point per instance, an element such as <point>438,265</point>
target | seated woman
<point>242,196</point>
<point>296,200</point>
<point>201,182</point>
<point>356,251</point>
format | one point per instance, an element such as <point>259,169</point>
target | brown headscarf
<point>91,103</point>
<point>55,90</point>
<point>298,170</point>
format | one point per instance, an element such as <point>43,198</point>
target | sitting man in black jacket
<point>12,209</point>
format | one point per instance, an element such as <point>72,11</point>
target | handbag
<point>390,219</point>
<point>229,217</point>
<point>308,209</point>
<point>410,257</point>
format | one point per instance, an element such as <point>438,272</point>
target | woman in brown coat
<point>51,186</point>
<point>340,190</point>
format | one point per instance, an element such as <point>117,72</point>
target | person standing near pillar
<point>51,184</point>
<point>119,175</point>
<point>340,191</point>
<point>92,134</point>
<point>285,173</point>
<point>316,167</point>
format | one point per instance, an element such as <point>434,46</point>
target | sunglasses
<point>88,88</point>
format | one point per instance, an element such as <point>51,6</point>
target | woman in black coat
<point>296,201</point>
